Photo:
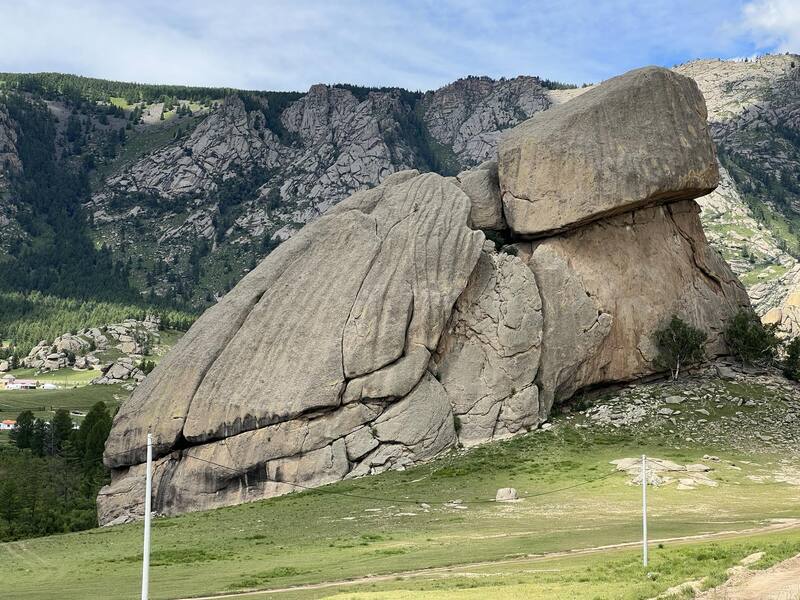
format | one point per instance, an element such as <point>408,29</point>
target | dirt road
<point>781,582</point>
<point>784,524</point>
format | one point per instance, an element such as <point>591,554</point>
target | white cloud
<point>774,24</point>
<point>418,44</point>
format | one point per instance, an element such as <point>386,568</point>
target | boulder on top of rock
<point>635,140</point>
<point>388,331</point>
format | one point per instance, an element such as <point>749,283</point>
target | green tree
<point>41,441</point>
<point>679,344</point>
<point>61,430</point>
<point>90,439</point>
<point>791,364</point>
<point>750,340</point>
<point>22,434</point>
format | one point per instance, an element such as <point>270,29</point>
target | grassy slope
<point>617,574</point>
<point>45,402</point>
<point>318,535</point>
<point>143,140</point>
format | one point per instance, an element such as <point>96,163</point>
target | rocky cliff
<point>288,169</point>
<point>390,329</point>
<point>250,174</point>
<point>754,116</point>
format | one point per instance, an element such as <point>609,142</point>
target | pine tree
<point>22,434</point>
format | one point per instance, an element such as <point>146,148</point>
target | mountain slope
<point>754,115</point>
<point>199,184</point>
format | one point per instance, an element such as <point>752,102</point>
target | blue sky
<point>417,44</point>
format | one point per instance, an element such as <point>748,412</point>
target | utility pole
<point>147,509</point>
<point>644,510</point>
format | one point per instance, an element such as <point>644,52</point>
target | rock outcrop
<point>469,115</point>
<point>362,298</point>
<point>225,140</point>
<point>489,358</point>
<point>608,286</point>
<point>604,153</point>
<point>10,165</point>
<point>754,116</point>
<point>9,158</point>
<point>390,329</point>
<point>113,349</point>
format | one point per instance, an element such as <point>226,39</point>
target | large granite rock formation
<point>608,286</point>
<point>637,139</point>
<point>390,330</point>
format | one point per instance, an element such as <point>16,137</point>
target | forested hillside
<point>184,189</point>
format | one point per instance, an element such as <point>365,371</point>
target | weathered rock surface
<point>9,158</point>
<point>224,140</point>
<point>635,140</point>
<point>754,114</point>
<point>483,188</point>
<point>607,287</point>
<point>746,244</point>
<point>119,371</point>
<point>86,349</point>
<point>362,297</point>
<point>786,316</point>
<point>470,114</point>
<point>489,359</point>
<point>10,164</point>
<point>506,495</point>
<point>389,330</point>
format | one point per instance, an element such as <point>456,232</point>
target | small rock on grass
<point>506,495</point>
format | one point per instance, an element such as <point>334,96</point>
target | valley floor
<point>434,532</point>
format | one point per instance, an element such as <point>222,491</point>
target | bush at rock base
<point>679,345</point>
<point>750,340</point>
<point>791,364</point>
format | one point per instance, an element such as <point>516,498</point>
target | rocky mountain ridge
<point>754,117</point>
<point>328,143</point>
<point>195,210</point>
<point>9,165</point>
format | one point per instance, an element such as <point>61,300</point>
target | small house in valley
<point>22,384</point>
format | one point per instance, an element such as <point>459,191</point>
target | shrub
<point>679,344</point>
<point>750,340</point>
<point>791,365</point>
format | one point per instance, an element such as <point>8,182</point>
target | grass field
<point>44,403</point>
<point>379,525</point>
<point>62,377</point>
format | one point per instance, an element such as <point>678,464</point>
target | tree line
<point>26,318</point>
<point>50,475</point>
